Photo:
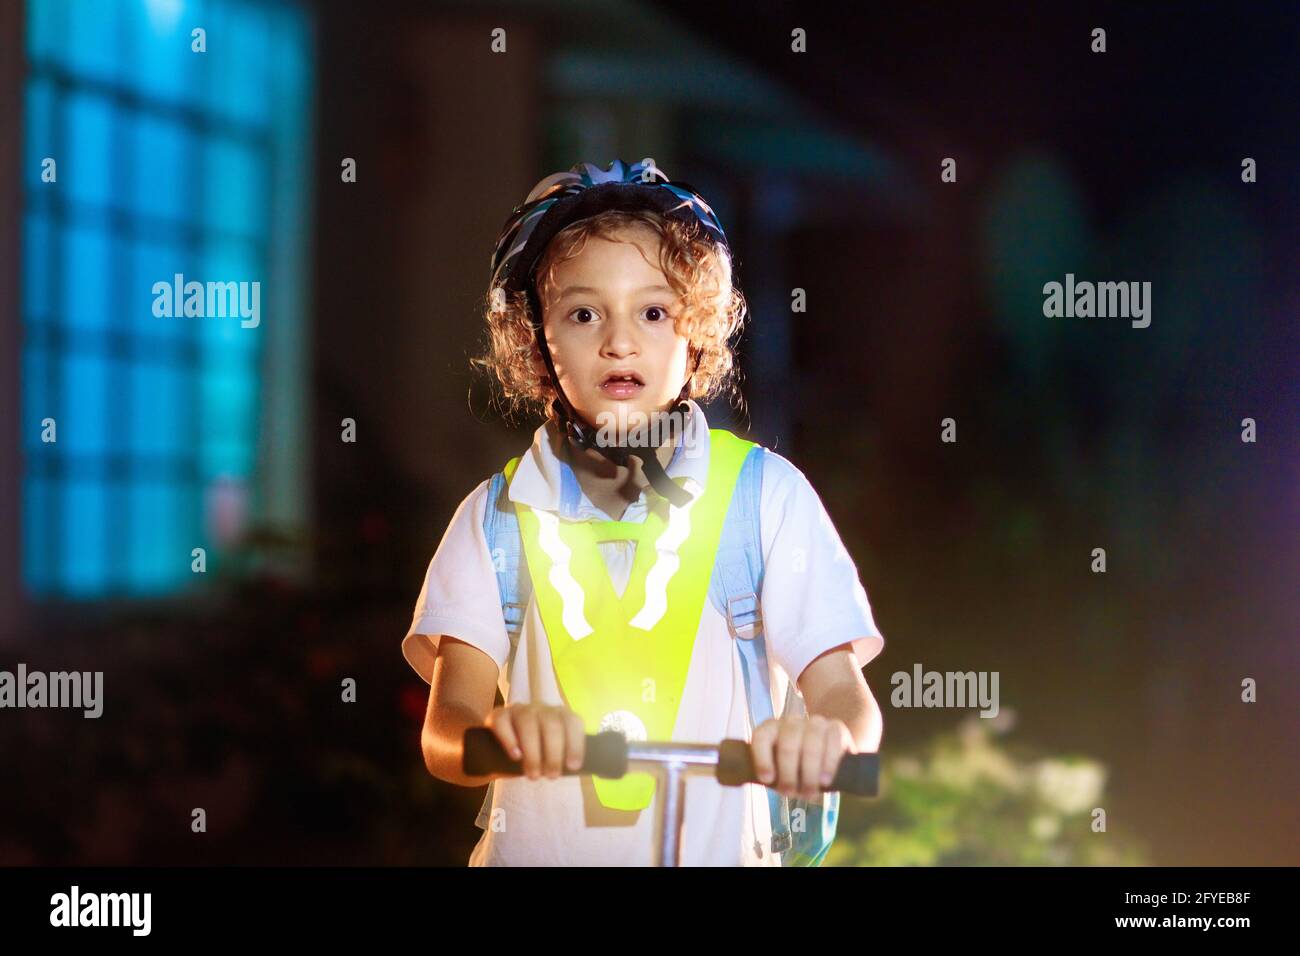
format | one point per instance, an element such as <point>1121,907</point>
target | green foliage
<point>966,799</point>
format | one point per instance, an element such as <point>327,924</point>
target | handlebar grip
<point>857,774</point>
<point>604,755</point>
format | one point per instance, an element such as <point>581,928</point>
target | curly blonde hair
<point>710,312</point>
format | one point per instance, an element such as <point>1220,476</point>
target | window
<point>166,163</point>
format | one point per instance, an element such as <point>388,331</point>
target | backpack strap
<point>501,529</point>
<point>734,590</point>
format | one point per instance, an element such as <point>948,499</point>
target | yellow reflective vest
<point>621,662</point>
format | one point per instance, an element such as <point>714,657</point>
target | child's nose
<point>620,336</point>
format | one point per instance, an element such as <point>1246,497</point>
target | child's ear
<point>688,386</point>
<point>535,361</point>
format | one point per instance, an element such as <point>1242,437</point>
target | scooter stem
<point>671,764</point>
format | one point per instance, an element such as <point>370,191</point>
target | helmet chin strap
<point>584,435</point>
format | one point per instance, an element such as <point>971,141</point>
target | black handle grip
<point>604,755</point>
<point>857,774</point>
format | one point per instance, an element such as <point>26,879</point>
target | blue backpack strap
<point>734,590</point>
<point>501,530</point>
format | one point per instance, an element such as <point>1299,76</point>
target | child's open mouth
<point>622,384</point>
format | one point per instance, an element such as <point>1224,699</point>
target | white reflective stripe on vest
<point>561,578</point>
<point>667,562</point>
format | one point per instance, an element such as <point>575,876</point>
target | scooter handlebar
<point>857,774</point>
<point>605,755</point>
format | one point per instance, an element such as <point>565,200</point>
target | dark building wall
<point>443,132</point>
<point>12,65</point>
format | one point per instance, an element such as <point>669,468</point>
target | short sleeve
<point>460,595</point>
<point>812,597</point>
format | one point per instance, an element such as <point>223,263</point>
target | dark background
<point>924,303</point>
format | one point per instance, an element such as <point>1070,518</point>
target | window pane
<point>37,236</point>
<point>241,329</point>
<point>161,153</point>
<point>229,422</point>
<point>83,561</point>
<point>37,404</point>
<point>235,196</point>
<point>238,54</point>
<point>44,28</point>
<point>86,142</point>
<point>161,410</point>
<point>39,132</point>
<point>82,416</point>
<point>87,300</point>
<point>152,263</point>
<point>161,64</point>
<point>90,43</point>
<point>163,533</point>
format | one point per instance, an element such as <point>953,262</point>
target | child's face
<point>612,309</point>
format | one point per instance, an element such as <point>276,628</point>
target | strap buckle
<point>750,623</point>
<point>513,621</point>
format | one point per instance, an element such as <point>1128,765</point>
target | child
<point>612,305</point>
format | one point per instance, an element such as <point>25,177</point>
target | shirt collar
<point>545,481</point>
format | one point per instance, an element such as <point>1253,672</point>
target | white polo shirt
<point>812,601</point>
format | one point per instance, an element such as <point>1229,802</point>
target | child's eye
<point>578,314</point>
<point>656,314</point>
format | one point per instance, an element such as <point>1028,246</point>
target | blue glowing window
<point>167,161</point>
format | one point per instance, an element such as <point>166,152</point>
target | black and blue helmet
<point>562,199</point>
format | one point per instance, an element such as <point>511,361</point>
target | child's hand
<point>800,753</point>
<point>546,738</point>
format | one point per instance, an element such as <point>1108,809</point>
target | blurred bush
<point>967,798</point>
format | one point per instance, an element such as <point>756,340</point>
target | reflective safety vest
<point>621,663</point>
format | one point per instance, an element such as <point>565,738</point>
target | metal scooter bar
<point>610,754</point>
<point>671,764</point>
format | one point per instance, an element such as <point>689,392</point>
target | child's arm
<point>461,695</point>
<point>794,754</point>
<point>820,629</point>
<point>833,686</point>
